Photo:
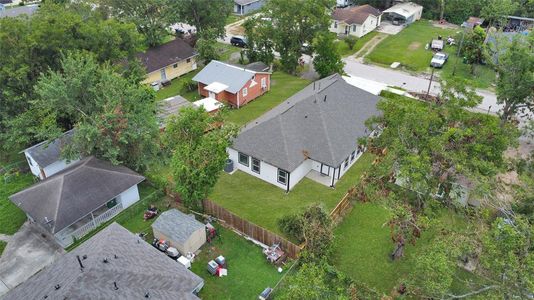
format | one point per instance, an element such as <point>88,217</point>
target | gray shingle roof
<point>176,225</point>
<point>323,122</point>
<point>233,76</point>
<point>355,14</point>
<point>74,192</point>
<point>171,106</point>
<point>47,153</point>
<point>138,268</point>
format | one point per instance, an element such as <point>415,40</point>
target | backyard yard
<point>408,48</point>
<point>344,49</point>
<point>363,245</point>
<point>263,204</point>
<point>11,217</point>
<point>248,270</point>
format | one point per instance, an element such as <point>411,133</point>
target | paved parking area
<point>28,251</point>
<point>388,28</point>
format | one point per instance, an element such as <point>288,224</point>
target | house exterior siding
<point>248,8</point>
<point>369,25</point>
<point>49,170</point>
<point>183,67</point>
<point>192,244</point>
<point>238,100</point>
<point>129,197</point>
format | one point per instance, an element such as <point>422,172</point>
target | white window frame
<point>263,82</point>
<point>252,165</point>
<point>346,164</point>
<point>335,24</point>
<point>352,156</point>
<point>353,27</point>
<point>285,175</point>
<point>245,92</point>
<point>239,154</point>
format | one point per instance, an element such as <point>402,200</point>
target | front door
<point>163,74</point>
<point>325,170</point>
<point>211,95</point>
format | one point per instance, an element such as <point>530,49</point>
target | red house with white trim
<point>233,84</point>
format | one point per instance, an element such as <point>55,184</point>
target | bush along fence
<point>250,229</point>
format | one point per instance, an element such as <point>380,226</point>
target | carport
<point>403,13</point>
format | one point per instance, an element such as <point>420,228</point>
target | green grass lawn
<point>263,204</point>
<point>2,247</point>
<point>408,48</point>
<point>12,217</point>
<point>177,88</point>
<point>232,18</point>
<point>363,246</point>
<point>282,87</point>
<point>248,271</point>
<point>225,51</point>
<point>344,49</point>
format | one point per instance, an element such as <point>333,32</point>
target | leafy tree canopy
<point>327,60</point>
<point>203,14</point>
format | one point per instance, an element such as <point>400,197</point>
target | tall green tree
<point>515,83</point>
<point>260,46</point>
<point>327,60</point>
<point>203,14</point>
<point>198,153</point>
<point>151,17</point>
<point>114,119</point>
<point>207,46</point>
<point>32,46</point>
<point>473,49</point>
<point>496,11</point>
<point>296,22</point>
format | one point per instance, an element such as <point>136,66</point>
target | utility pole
<point>458,53</point>
<point>430,83</point>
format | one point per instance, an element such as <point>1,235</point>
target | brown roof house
<point>168,61</point>
<point>355,20</point>
<point>113,264</point>
<point>77,199</point>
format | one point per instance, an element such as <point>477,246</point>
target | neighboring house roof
<point>171,106</point>
<point>233,76</point>
<point>167,54</point>
<point>133,265</point>
<point>323,122</point>
<point>258,67</point>
<point>245,2</point>
<point>176,225</point>
<point>19,10</point>
<point>472,22</point>
<point>406,9</point>
<point>6,1</point>
<point>355,14</point>
<point>67,196</point>
<point>47,153</point>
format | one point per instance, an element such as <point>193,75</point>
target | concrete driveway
<point>28,251</point>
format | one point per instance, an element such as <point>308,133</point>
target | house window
<point>255,165</point>
<point>354,28</point>
<point>282,176</point>
<point>346,164</point>
<point>335,24</point>
<point>188,60</point>
<point>175,66</point>
<point>243,159</point>
<point>245,92</point>
<point>264,82</point>
<point>352,155</point>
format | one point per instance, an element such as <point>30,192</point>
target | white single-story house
<point>181,231</point>
<point>312,134</point>
<point>244,7</point>
<point>75,201</point>
<point>113,264</point>
<point>44,159</point>
<point>356,20</point>
<point>404,13</point>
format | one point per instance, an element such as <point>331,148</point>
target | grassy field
<point>363,246</point>
<point>282,87</point>
<point>408,48</point>
<point>225,51</point>
<point>344,49</point>
<point>12,217</point>
<point>263,203</point>
<point>177,88</point>
<point>248,271</point>
<point>232,18</point>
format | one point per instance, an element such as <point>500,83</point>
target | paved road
<point>409,82</point>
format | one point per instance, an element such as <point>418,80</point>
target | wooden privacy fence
<point>339,211</point>
<point>250,229</point>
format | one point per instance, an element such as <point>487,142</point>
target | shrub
<point>291,226</point>
<point>350,41</point>
<point>189,85</point>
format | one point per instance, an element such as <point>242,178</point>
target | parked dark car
<point>238,41</point>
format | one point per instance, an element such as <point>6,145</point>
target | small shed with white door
<point>181,231</point>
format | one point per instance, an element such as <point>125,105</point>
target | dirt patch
<point>444,25</point>
<point>235,28</point>
<point>414,46</point>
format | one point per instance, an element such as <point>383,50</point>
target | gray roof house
<point>181,231</point>
<point>76,200</point>
<point>244,7</point>
<point>170,107</point>
<point>314,133</point>
<point>44,159</point>
<point>113,264</point>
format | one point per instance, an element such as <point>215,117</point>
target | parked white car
<point>439,60</point>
